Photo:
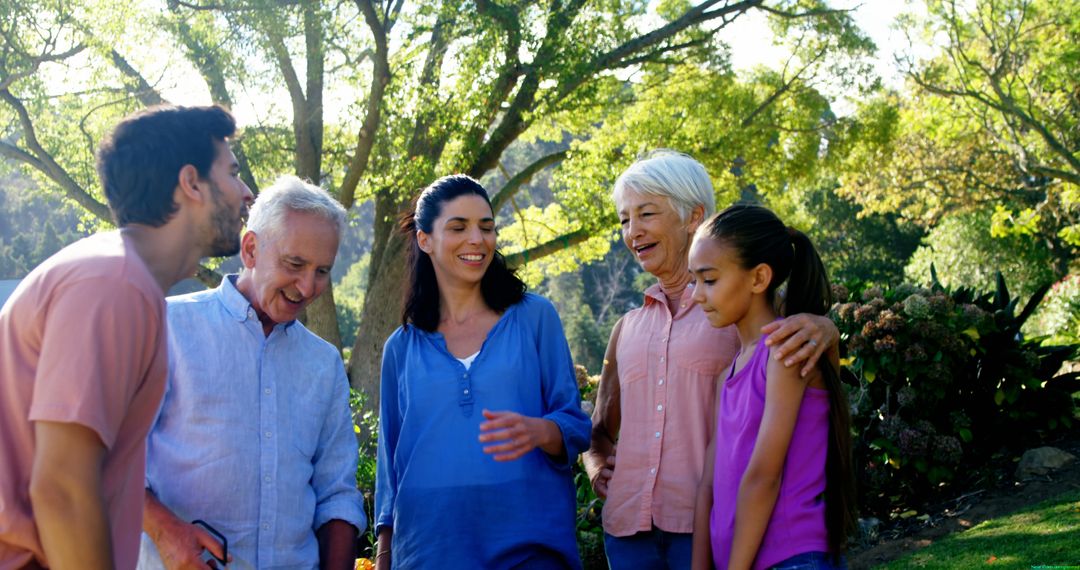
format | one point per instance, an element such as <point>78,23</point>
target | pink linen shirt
<point>82,340</point>
<point>668,370</point>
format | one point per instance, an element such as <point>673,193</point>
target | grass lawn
<point>1046,535</point>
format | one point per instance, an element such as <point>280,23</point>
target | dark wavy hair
<point>758,236</point>
<point>499,286</point>
<point>140,160</point>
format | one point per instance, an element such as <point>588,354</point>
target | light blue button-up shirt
<point>255,434</point>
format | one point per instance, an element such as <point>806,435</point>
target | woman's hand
<point>603,477</point>
<point>801,338</point>
<point>512,435</point>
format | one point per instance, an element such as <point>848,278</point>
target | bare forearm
<point>757,497</point>
<point>336,545</point>
<point>599,450</point>
<point>383,546</point>
<point>552,443</point>
<point>156,517</point>
<point>72,522</point>
<point>67,498</point>
<point>702,545</point>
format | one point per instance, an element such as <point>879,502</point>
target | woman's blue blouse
<point>451,505</point>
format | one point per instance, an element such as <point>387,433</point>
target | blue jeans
<point>649,549</point>
<point>812,561</point>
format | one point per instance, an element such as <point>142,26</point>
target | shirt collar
<point>655,294</point>
<point>238,305</point>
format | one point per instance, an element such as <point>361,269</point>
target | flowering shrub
<point>940,379</point>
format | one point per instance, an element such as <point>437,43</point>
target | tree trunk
<point>321,317</point>
<point>380,316</point>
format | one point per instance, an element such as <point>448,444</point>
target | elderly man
<point>255,435</point>
<point>82,341</point>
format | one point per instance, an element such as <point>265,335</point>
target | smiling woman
<point>480,416</point>
<point>461,242</point>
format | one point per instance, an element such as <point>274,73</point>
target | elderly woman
<point>655,402</point>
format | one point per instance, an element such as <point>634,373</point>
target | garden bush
<point>941,379</point>
<point>366,425</point>
<point>1058,316</point>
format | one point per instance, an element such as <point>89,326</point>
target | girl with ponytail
<point>778,489</point>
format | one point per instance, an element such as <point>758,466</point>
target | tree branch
<point>144,92</point>
<point>48,166</point>
<point>208,64</point>
<point>560,243</point>
<point>780,91</point>
<point>35,62</point>
<point>208,276</point>
<point>808,13</point>
<point>508,19</point>
<point>522,178</point>
<point>1051,172</point>
<point>654,56</point>
<point>19,155</point>
<point>697,15</point>
<point>173,4</point>
<point>365,139</point>
<point>514,120</point>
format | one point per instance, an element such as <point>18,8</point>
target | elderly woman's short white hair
<point>291,194</point>
<point>670,174</point>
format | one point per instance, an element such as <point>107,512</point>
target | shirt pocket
<point>303,424</point>
<point>700,360</point>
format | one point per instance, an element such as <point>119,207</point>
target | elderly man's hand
<point>181,546</point>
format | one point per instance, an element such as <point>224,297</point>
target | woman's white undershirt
<point>468,360</point>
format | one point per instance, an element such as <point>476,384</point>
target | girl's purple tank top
<point>797,524</point>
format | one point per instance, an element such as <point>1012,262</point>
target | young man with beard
<point>255,435</point>
<point>83,341</point>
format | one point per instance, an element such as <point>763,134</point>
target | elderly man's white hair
<point>670,174</point>
<point>291,194</point>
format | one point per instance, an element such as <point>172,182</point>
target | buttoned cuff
<point>567,460</point>
<point>345,509</point>
<point>383,522</point>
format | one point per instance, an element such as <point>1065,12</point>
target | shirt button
<point>266,391</point>
<point>266,526</point>
<point>465,391</point>
<point>657,434</point>
<point>683,305</point>
<point>652,471</point>
<point>661,359</point>
<point>659,408</point>
<point>661,382</point>
<point>466,375</point>
<point>267,478</point>
<point>267,434</point>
